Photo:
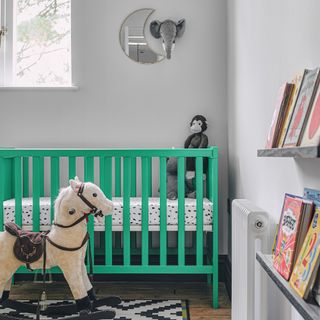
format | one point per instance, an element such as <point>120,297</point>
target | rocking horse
<point>63,246</point>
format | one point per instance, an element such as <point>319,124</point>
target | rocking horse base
<point>83,315</point>
<point>64,309</point>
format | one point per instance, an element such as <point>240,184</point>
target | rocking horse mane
<point>62,193</point>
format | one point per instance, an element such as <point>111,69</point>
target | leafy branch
<point>27,68</point>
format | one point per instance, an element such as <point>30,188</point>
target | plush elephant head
<point>168,30</point>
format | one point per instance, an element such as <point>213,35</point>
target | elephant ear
<point>155,28</point>
<point>181,26</point>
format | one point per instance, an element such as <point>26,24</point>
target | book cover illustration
<point>311,194</point>
<point>297,80</point>
<point>287,235</point>
<point>281,103</point>
<point>311,134</point>
<point>305,269</point>
<point>304,100</point>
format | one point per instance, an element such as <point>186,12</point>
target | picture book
<point>314,195</point>
<point>304,100</point>
<point>306,218</point>
<point>278,114</point>
<point>287,235</point>
<point>310,136</point>
<point>311,194</point>
<point>292,102</point>
<point>306,267</point>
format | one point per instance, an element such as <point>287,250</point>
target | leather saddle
<point>29,246</point>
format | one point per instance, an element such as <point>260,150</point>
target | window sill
<point>17,88</point>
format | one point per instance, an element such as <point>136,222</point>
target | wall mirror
<point>133,40</point>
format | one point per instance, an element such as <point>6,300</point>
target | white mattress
<point>135,211</point>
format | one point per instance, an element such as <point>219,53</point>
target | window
<point>35,47</point>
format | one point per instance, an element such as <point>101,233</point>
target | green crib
<point>125,173</point>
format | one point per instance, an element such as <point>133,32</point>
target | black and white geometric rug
<point>127,310</point>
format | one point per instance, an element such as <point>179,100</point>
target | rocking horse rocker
<point>45,250</point>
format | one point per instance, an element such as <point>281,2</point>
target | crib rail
<point>122,173</point>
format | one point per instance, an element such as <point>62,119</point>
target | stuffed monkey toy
<point>197,139</point>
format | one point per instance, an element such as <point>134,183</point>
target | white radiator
<point>251,230</point>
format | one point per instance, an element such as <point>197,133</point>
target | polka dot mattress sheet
<point>135,211</point>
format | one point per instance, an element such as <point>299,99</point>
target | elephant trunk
<point>168,47</point>
<point>169,54</point>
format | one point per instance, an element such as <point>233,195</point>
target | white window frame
<point>8,50</point>
<point>7,53</point>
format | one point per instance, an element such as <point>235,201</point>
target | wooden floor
<point>198,294</point>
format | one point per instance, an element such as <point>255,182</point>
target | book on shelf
<point>304,102</point>
<point>297,80</point>
<point>295,215</point>
<point>307,264</point>
<point>310,135</point>
<point>283,99</point>
<point>313,194</point>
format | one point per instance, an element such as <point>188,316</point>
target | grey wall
<point>121,103</point>
<point>268,42</point>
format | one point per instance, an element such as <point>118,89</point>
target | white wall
<point>268,42</point>
<point>121,103</point>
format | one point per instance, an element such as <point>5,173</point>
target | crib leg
<point>215,291</point>
<point>215,273</point>
<point>215,279</point>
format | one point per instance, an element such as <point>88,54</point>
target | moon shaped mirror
<point>133,40</point>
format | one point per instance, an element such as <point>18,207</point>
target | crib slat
<point>199,194</point>
<point>18,190</point>
<point>41,176</point>
<point>106,187</point>
<point>88,169</point>
<point>150,176</point>
<point>145,210</point>
<point>117,176</point>
<point>36,193</point>
<point>26,177</point>
<point>72,167</point>
<point>89,176</point>
<point>133,177</point>
<point>2,182</point>
<point>55,182</point>
<point>181,208</point>
<point>163,211</point>
<point>126,211</point>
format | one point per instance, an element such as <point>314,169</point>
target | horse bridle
<point>94,210</point>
